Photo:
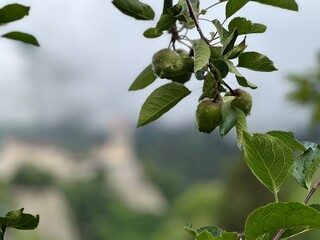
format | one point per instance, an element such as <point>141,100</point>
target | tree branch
<point>195,19</point>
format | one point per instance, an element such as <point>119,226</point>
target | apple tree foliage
<point>212,58</point>
<point>17,218</point>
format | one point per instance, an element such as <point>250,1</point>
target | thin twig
<point>213,5</point>
<point>312,191</point>
<point>278,235</point>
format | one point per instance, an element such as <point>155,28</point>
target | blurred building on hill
<point>115,158</point>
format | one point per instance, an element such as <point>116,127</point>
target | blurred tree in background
<point>306,90</point>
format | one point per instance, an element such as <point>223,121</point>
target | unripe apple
<point>186,76</point>
<point>163,59</point>
<point>243,100</point>
<point>182,78</point>
<point>208,115</point>
<point>183,53</point>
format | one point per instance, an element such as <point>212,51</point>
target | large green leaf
<point>268,158</point>
<point>265,221</point>
<point>306,166</point>
<point>201,54</point>
<point>135,9</point>
<point>22,37</point>
<point>13,12</point>
<point>144,79</point>
<point>160,101</point>
<point>256,62</point>
<point>286,4</point>
<point>288,139</point>
<point>234,6</point>
<point>19,220</point>
<point>245,26</point>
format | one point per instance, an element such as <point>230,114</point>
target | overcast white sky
<point>90,53</point>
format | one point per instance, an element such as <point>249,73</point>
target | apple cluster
<point>209,115</point>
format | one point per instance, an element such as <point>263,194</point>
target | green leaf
<point>201,54</point>
<point>223,33</point>
<point>214,231</point>
<point>22,37</point>
<point>234,6</point>
<point>206,235</point>
<point>242,81</point>
<point>215,53</point>
<point>306,166</point>
<point>181,12</point>
<point>160,101</point>
<point>13,12</point>
<point>152,33</point>
<point>228,122</point>
<point>237,50</point>
<point>229,43</point>
<point>19,220</point>
<point>245,26</point>
<point>210,233</point>
<point>241,127</point>
<point>268,158</point>
<point>286,4</point>
<point>166,5</point>
<point>256,62</point>
<point>221,66</point>
<point>166,22</point>
<point>265,221</point>
<point>245,83</point>
<point>144,79</point>
<point>233,69</point>
<point>209,86</point>
<point>288,139</point>
<point>135,9</point>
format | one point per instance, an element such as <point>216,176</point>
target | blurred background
<point>69,146</point>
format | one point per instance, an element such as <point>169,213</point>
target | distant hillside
<point>184,155</point>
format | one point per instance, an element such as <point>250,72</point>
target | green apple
<point>182,78</point>
<point>163,59</point>
<point>183,53</point>
<point>243,100</point>
<point>186,76</point>
<point>208,115</point>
